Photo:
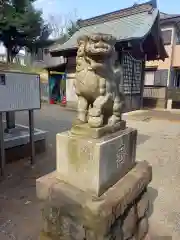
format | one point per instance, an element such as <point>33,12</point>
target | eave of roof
<point>172,18</point>
<point>60,67</point>
<point>167,16</point>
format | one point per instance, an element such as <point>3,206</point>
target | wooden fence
<point>154,92</point>
<point>154,97</point>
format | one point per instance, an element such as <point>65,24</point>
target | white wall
<point>2,49</point>
<point>70,90</point>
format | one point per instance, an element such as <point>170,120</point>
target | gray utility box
<point>19,91</point>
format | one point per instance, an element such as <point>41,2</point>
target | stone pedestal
<point>120,213</point>
<point>98,191</point>
<point>94,165</point>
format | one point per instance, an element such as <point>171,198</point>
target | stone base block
<point>94,165</point>
<point>70,213</point>
<point>86,131</point>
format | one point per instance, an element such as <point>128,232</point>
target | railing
<point>154,92</point>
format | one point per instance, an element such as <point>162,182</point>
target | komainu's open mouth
<point>94,49</point>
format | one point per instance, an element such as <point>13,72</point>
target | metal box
<point>19,91</point>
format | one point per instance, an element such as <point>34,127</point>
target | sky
<point>88,8</point>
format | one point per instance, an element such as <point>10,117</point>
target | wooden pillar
<point>49,94</point>
<point>142,82</point>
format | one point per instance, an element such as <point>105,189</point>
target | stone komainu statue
<point>97,81</point>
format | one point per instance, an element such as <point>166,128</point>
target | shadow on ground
<point>149,115</point>
<point>21,208</point>
<point>153,193</point>
<point>141,138</point>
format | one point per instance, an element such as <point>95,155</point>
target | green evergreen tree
<point>21,25</point>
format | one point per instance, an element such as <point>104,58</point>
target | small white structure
<point>20,58</point>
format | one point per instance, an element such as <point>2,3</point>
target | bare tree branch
<point>59,23</point>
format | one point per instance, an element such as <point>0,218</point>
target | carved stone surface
<point>94,165</point>
<point>98,76</point>
<point>69,213</point>
<point>143,228</point>
<point>132,238</point>
<point>143,205</point>
<point>129,224</point>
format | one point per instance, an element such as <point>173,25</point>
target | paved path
<point>146,115</point>
<point>20,217</point>
<point>158,143</point>
<point>161,149</point>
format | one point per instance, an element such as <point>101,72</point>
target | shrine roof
<point>134,23</point>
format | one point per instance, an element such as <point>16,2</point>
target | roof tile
<point>134,26</point>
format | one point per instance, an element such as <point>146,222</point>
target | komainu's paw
<point>95,122</point>
<point>113,120</point>
<point>94,112</point>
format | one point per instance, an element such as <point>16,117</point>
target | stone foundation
<point>121,213</point>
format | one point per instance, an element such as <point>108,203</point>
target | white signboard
<point>19,91</point>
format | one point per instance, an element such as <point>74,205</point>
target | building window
<point>178,38</point>
<point>156,78</point>
<point>149,78</point>
<point>161,77</point>
<point>176,79</point>
<point>167,35</point>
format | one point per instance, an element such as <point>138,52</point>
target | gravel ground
<point>158,143</point>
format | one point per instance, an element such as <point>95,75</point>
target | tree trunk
<point>9,55</point>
